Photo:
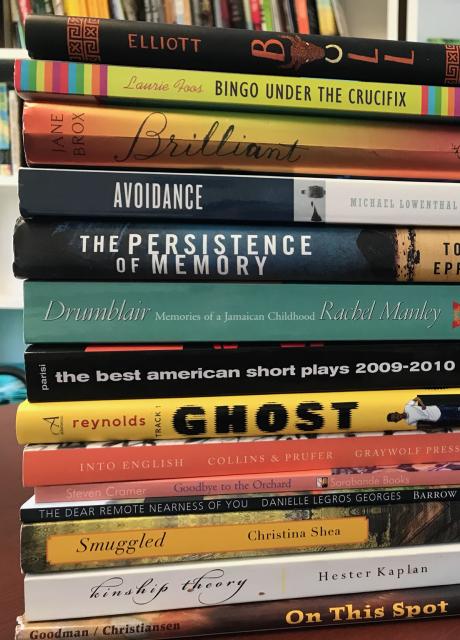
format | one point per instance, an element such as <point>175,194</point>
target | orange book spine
<point>56,465</point>
<point>301,11</point>
<point>188,12</point>
<point>169,11</point>
<point>56,134</point>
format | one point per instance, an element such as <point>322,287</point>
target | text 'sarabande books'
<point>139,312</point>
<point>157,251</point>
<point>322,611</point>
<point>89,544</point>
<point>99,136</point>
<point>146,44</point>
<point>110,84</point>
<point>68,595</point>
<point>242,415</point>
<point>74,464</point>
<point>112,372</point>
<point>236,198</point>
<point>440,477</point>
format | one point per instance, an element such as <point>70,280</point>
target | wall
<point>11,342</point>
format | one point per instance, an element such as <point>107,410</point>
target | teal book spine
<point>104,312</point>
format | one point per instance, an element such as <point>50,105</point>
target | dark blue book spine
<point>182,196</point>
<point>55,512</point>
<point>146,251</point>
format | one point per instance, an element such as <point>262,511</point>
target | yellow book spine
<point>245,91</point>
<point>54,546</point>
<point>81,7</point>
<point>105,9</point>
<point>326,18</point>
<point>230,416</point>
<point>133,85</point>
<point>93,9</point>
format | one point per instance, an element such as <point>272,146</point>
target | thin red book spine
<point>25,9</point>
<point>256,15</point>
<point>405,475</point>
<point>301,11</point>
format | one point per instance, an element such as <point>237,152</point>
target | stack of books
<point>243,388</point>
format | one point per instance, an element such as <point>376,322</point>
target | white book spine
<point>109,592</point>
<point>392,202</point>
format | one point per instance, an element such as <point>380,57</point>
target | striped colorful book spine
<point>61,77</point>
<point>440,101</point>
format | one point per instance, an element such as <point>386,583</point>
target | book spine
<point>326,18</point>
<point>169,11</point>
<point>278,53</point>
<point>206,13</point>
<point>351,478</point>
<point>224,11</point>
<point>322,611</point>
<point>54,465</point>
<point>194,4</point>
<point>244,198</point>
<point>148,10</point>
<point>240,503</point>
<point>217,11</point>
<point>24,9</point>
<point>247,14</point>
<point>241,415</point>
<point>5,137</point>
<point>159,10</point>
<point>301,13</point>
<point>267,16</point>
<point>256,14</point>
<point>312,16</point>
<point>254,580</point>
<point>68,546</point>
<point>179,10</point>
<point>75,312</point>
<point>145,251</point>
<point>116,8</point>
<point>289,25</point>
<point>62,373</point>
<point>187,12</point>
<point>130,9</point>
<point>65,135</point>
<point>7,28</point>
<point>15,131</point>
<point>276,12</point>
<point>236,14</point>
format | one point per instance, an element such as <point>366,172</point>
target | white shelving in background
<point>10,288</point>
<point>9,182</point>
<point>433,19</point>
<point>13,54</point>
<point>424,19</point>
<point>371,18</point>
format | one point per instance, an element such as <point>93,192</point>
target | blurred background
<point>417,20</point>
